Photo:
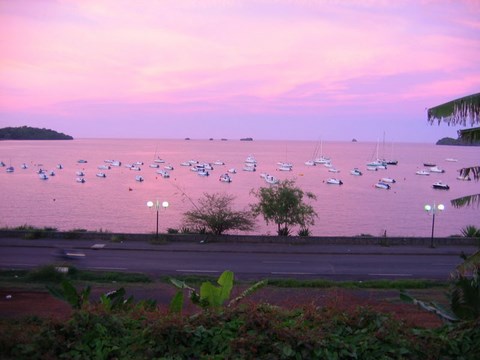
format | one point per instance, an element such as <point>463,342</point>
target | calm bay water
<point>117,203</point>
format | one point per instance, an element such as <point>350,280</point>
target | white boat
<point>138,162</point>
<point>168,167</point>
<point>250,160</point>
<point>423,172</point>
<point>451,159</point>
<point>43,176</point>
<point>218,162</point>
<point>225,178</point>
<point>328,164</point>
<point>440,185</point>
<point>382,185</point>
<point>80,173</point>
<point>52,173</point>
<point>81,161</point>
<point>285,167</point>
<point>310,163</point>
<point>139,178</point>
<point>333,170</point>
<point>159,160</point>
<point>24,166</point>
<point>436,169</point>
<point>103,167</point>
<point>232,171</point>
<point>185,163</point>
<point>372,168</point>
<point>388,180</point>
<point>135,168</point>
<point>464,178</point>
<point>249,167</point>
<point>356,172</point>
<point>207,166</point>
<point>203,172</point>
<point>10,169</point>
<point>116,163</point>
<point>2,164</point>
<point>101,174</point>
<point>59,166</point>
<point>163,173</point>
<point>154,166</point>
<point>270,179</point>
<point>80,180</point>
<point>334,181</point>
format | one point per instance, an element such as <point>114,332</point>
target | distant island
<point>31,133</point>
<point>456,142</point>
<point>246,139</point>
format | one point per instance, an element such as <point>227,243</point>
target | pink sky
<point>269,69</point>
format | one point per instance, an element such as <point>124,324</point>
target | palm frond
<point>466,201</point>
<point>457,111</point>
<point>474,170</point>
<point>469,136</point>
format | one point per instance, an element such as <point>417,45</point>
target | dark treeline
<point>31,133</point>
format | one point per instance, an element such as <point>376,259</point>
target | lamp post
<point>432,209</point>
<point>156,204</point>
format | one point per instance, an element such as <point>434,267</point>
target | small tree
<point>283,205</point>
<point>214,212</point>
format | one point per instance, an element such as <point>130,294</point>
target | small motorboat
<point>101,175</point>
<point>382,185</point>
<point>52,173</point>
<point>10,169</point>
<point>423,172</point>
<point>139,178</point>
<point>272,180</point>
<point>218,162</point>
<point>59,166</point>
<point>441,186</point>
<point>310,163</point>
<point>24,166</point>
<point>232,171</point>
<point>80,180</point>
<point>81,161</point>
<point>103,167</point>
<point>225,178</point>
<point>43,176</point>
<point>249,167</point>
<point>334,181</point>
<point>388,180</point>
<point>436,169</point>
<point>135,168</point>
<point>372,168</point>
<point>356,172</point>
<point>451,159</point>
<point>154,166</point>
<point>333,170</point>
<point>429,164</point>
<point>163,173</point>
<point>80,173</point>
<point>203,172</point>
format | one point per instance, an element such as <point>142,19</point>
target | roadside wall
<point>332,240</point>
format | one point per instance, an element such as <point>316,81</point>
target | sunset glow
<point>267,69</point>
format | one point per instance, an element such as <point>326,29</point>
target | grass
<point>49,274</point>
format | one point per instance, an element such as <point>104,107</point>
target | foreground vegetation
<point>117,327</point>
<point>246,331</point>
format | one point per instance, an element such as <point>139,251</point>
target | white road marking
<point>201,271</point>
<point>107,268</point>
<point>391,275</point>
<point>290,273</point>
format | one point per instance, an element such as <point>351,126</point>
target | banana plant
<point>69,293</point>
<point>210,296</point>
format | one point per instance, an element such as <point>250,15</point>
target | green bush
<point>244,332</point>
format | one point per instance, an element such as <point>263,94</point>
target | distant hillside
<point>457,142</point>
<point>31,133</point>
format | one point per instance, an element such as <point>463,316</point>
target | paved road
<point>247,261</point>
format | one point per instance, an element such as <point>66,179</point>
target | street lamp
<point>432,209</point>
<point>156,204</point>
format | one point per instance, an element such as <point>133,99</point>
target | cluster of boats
<point>250,165</point>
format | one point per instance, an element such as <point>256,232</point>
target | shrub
<point>304,232</point>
